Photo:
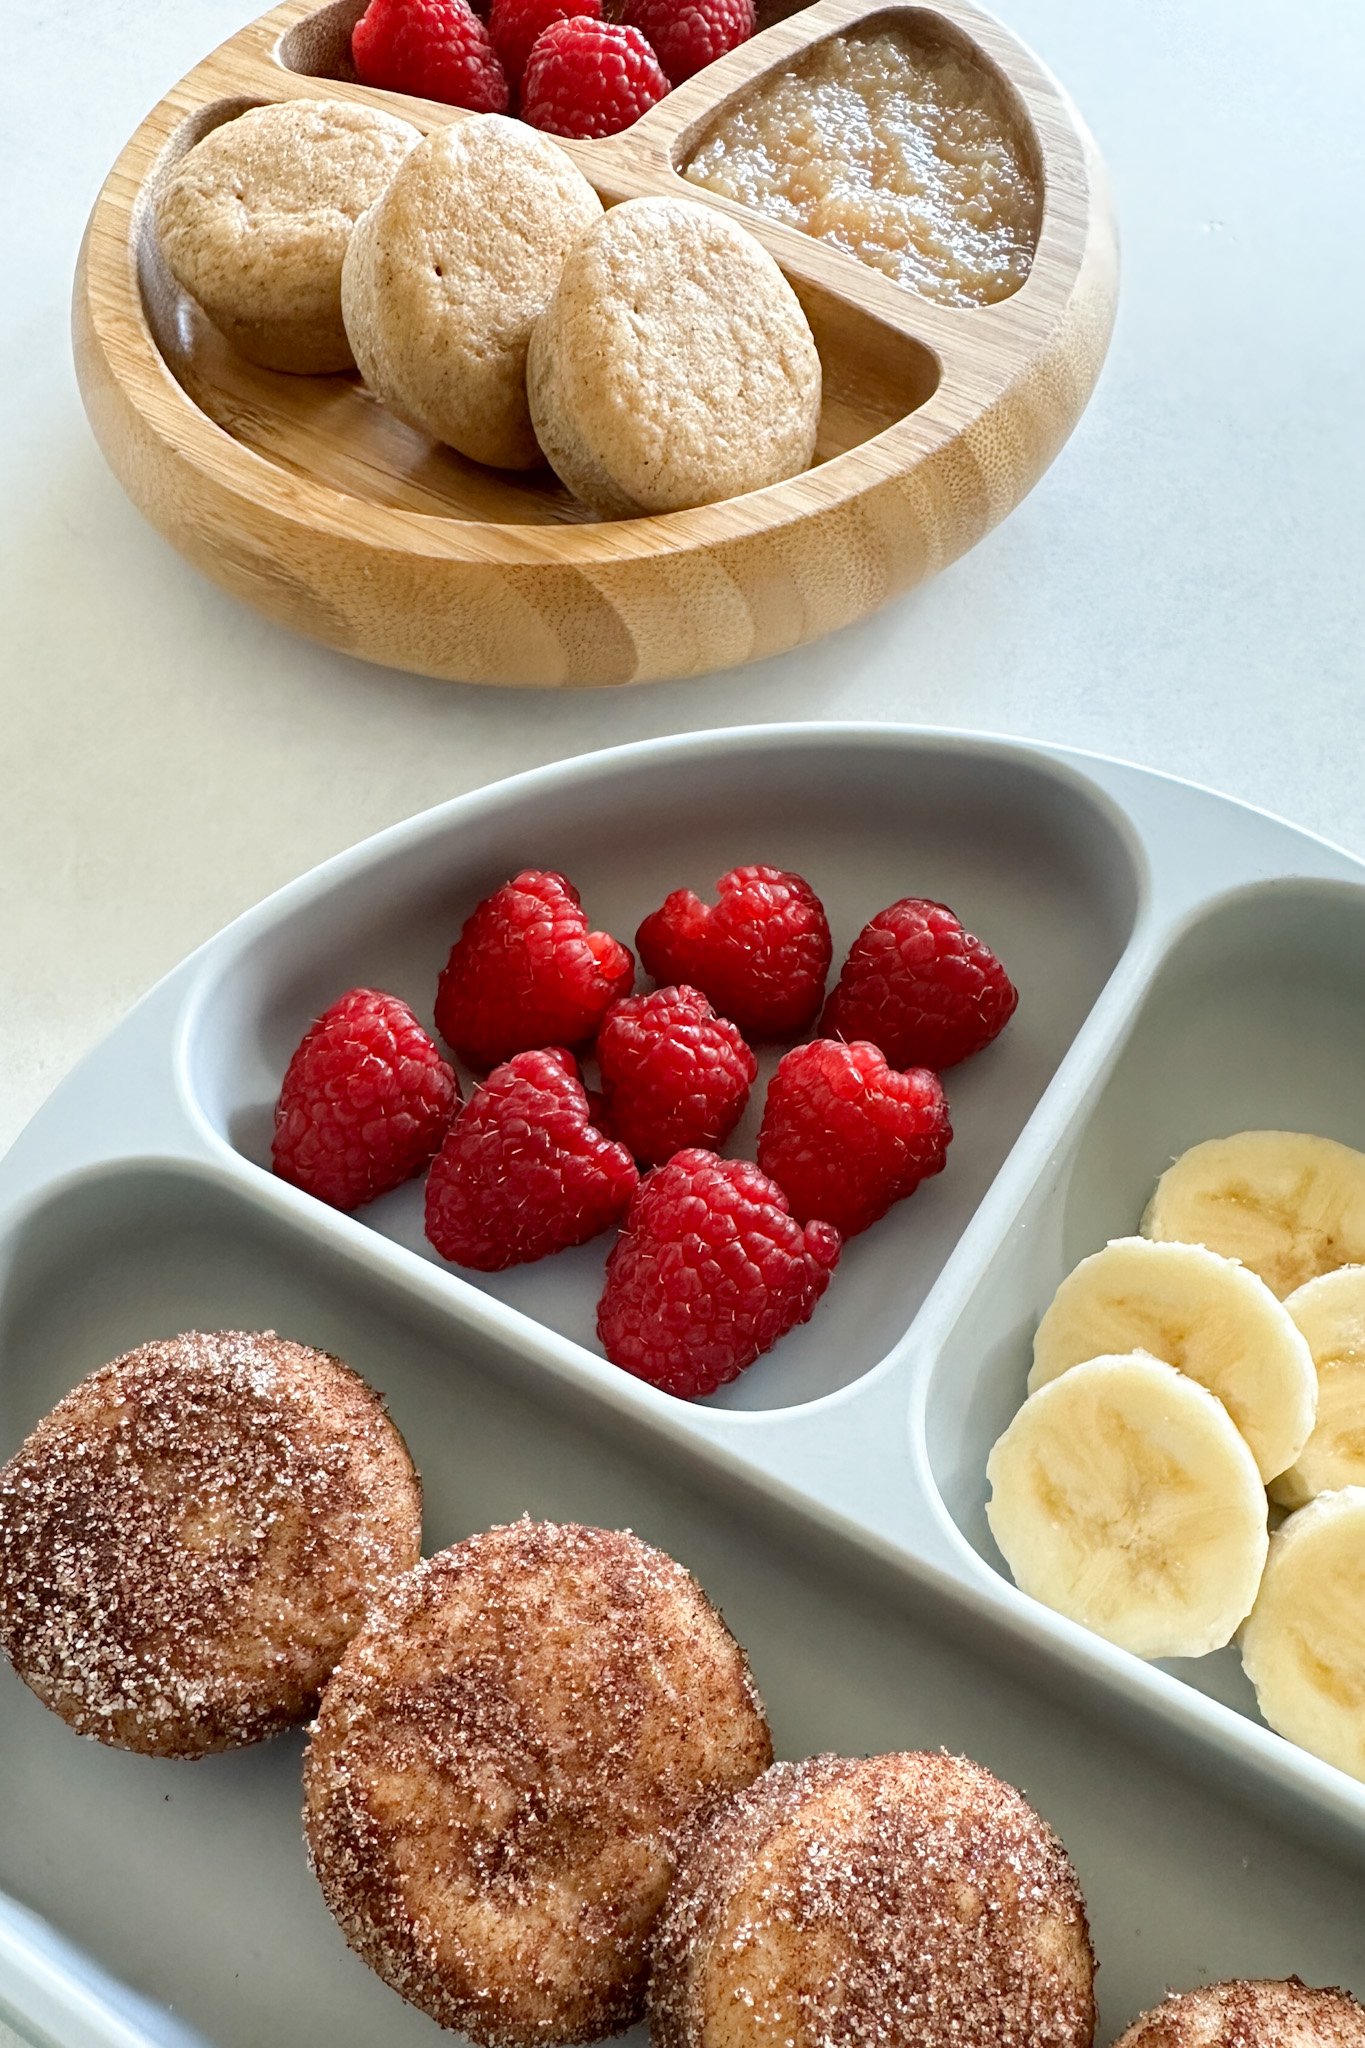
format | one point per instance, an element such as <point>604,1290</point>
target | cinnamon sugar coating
<point>193,1534</point>
<point>500,1764</point>
<point>1251,2014</point>
<point>873,1903</point>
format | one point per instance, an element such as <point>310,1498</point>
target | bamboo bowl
<point>304,497</point>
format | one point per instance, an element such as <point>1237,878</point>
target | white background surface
<point>1184,588</point>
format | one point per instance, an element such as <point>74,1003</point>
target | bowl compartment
<point>927,36</point>
<point>319,46</point>
<point>333,431</point>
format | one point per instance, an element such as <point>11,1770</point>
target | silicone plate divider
<point>1186,966</point>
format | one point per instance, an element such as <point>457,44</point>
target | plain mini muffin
<point>674,365</point>
<point>447,274</point>
<point>903,1899</point>
<point>1251,2013</point>
<point>254,222</point>
<point>501,1763</point>
<point>191,1537</point>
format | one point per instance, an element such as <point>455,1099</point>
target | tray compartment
<point>1032,859</point>
<point>189,1882</point>
<point>1253,1021</point>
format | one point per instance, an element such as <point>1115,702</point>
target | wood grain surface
<point>307,499</point>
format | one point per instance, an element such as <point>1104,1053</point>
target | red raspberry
<point>761,953</point>
<point>673,1073</point>
<point>845,1136</point>
<point>524,1171</point>
<point>587,77</point>
<point>515,26</point>
<point>365,1101</point>
<point>437,49</point>
<point>711,1270</point>
<point>688,34</point>
<point>526,972</point>
<point>919,986</point>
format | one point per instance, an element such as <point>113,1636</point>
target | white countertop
<point>1184,588</point>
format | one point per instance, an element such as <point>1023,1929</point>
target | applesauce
<point>904,153</point>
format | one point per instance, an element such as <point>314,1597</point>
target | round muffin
<point>499,1767</point>
<point>912,1898</point>
<point>674,364</point>
<point>447,274</point>
<point>1251,2014</point>
<point>254,222</point>
<point>192,1536</point>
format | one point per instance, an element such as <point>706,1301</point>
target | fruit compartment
<point>1252,1020</point>
<point>190,1884</point>
<point>319,46</point>
<point>1026,853</point>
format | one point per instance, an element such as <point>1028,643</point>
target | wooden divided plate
<point>307,499</point>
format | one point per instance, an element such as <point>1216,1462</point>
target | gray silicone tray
<point>1186,967</point>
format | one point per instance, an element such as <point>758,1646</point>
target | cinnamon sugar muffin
<point>191,1537</point>
<point>255,220</point>
<point>910,1898</point>
<point>1251,2014</point>
<point>499,1766</point>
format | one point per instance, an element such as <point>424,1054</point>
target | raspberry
<point>588,77</point>
<point>524,1171</point>
<point>688,34</point>
<point>845,1136</point>
<point>711,1270</point>
<point>437,49</point>
<point>919,986</point>
<point>761,953</point>
<point>515,26</point>
<point>365,1101</point>
<point>526,972</point>
<point>673,1073</point>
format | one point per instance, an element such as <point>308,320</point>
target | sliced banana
<point>1330,1312</point>
<point>1287,1205</point>
<point>1304,1645</point>
<point>1124,1496</point>
<point>1215,1320</point>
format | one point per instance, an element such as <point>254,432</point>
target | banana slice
<point>1304,1645</point>
<point>1330,1312</point>
<point>1287,1205</point>
<point>1124,1497</point>
<point>1207,1315</point>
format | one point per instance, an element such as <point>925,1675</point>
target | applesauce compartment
<point>332,430</point>
<point>1255,1020</point>
<point>895,140</point>
<point>191,1885</point>
<point>1027,854</point>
